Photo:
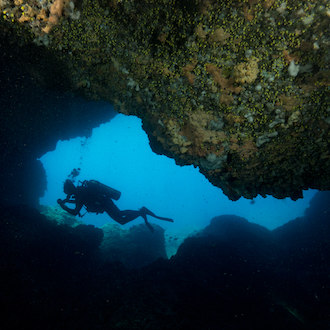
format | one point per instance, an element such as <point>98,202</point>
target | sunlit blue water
<point>118,154</point>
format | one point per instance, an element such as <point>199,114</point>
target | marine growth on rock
<point>238,88</point>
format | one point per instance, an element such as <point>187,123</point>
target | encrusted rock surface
<point>238,88</point>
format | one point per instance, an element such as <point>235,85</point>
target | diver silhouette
<point>97,198</point>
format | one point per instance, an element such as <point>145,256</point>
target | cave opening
<point>35,117</point>
<point>118,154</point>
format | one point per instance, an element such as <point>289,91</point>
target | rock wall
<point>238,88</point>
<point>35,115</point>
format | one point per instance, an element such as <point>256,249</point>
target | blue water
<point>118,154</point>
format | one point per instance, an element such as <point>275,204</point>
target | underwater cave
<point>226,262</point>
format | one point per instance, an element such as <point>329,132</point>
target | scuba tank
<point>100,188</point>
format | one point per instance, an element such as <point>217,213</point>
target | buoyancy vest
<point>96,195</point>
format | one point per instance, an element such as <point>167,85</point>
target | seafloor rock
<point>59,216</point>
<point>134,247</point>
<point>233,275</point>
<point>31,239</point>
<point>240,89</point>
<point>312,230</point>
<point>249,238</point>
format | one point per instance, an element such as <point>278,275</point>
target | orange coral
<point>197,130</point>
<point>24,18</point>
<point>203,7</point>
<point>248,149</point>
<point>218,36</point>
<point>187,72</point>
<point>162,37</point>
<point>226,84</point>
<point>190,77</point>
<point>289,102</point>
<point>267,4</point>
<point>248,12</point>
<point>175,141</point>
<point>288,58</point>
<point>247,72</point>
<point>245,150</point>
<point>188,139</point>
<point>55,13</point>
<point>28,13</point>
<point>234,119</point>
<point>57,8</point>
<point>226,99</point>
<point>42,15</point>
<point>200,32</point>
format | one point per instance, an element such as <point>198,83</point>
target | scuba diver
<point>97,198</point>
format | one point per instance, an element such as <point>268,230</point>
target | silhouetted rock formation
<point>232,275</point>
<point>135,247</point>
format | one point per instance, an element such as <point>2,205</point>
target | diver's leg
<point>128,215</point>
<point>148,212</point>
<point>121,217</point>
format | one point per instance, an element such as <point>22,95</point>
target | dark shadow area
<point>134,247</point>
<point>33,120</point>
<point>232,275</point>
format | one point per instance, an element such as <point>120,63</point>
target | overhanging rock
<point>238,88</point>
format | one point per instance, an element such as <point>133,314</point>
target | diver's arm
<point>74,211</point>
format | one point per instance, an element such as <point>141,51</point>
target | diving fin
<point>148,212</point>
<point>149,226</point>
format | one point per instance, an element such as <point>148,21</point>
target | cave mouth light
<point>118,154</point>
